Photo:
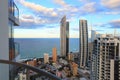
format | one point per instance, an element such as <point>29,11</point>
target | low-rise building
<point>74,68</point>
<point>46,58</point>
<point>71,57</point>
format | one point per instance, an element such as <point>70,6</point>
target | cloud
<point>75,29</point>
<point>44,16</point>
<point>115,23</point>
<point>33,22</point>
<point>99,25</point>
<point>73,11</point>
<point>38,8</point>
<point>88,7</point>
<point>99,30</point>
<point>61,3</point>
<point>111,4</point>
<point>107,7</point>
<point>85,1</point>
<point>29,21</point>
<point>27,16</point>
<point>65,8</point>
<point>112,12</point>
<point>110,24</point>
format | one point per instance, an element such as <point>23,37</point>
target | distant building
<point>8,19</point>
<point>94,35</point>
<point>46,58</point>
<point>22,76</point>
<point>74,68</point>
<point>64,37</point>
<point>63,61</point>
<point>71,57</point>
<point>83,43</point>
<point>32,63</point>
<point>90,47</point>
<point>105,58</point>
<point>54,54</point>
<point>35,62</point>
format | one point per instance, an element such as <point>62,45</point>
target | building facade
<point>71,56</point>
<point>105,58</point>
<point>64,37</point>
<point>54,54</point>
<point>93,35</point>
<point>74,68</point>
<point>83,43</point>
<point>32,62</point>
<point>46,58</point>
<point>9,17</point>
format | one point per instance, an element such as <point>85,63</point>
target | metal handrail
<point>39,71</point>
<point>16,10</point>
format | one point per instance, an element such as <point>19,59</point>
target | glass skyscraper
<point>64,37</point>
<point>83,43</point>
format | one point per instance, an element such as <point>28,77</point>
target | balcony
<point>14,13</point>
<point>33,71</point>
<point>14,51</point>
<point>17,48</point>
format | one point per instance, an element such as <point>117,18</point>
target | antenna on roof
<point>91,26</point>
<point>91,30</point>
<point>115,32</point>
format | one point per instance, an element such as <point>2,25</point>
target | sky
<point>41,18</point>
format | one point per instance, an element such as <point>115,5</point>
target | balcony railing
<point>14,13</point>
<point>37,70</point>
<point>17,48</point>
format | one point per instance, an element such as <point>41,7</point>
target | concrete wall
<point>4,46</point>
<point>111,69</point>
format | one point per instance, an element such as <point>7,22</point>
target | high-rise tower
<point>105,58</point>
<point>83,43</point>
<point>64,37</point>
<point>54,54</point>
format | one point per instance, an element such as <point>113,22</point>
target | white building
<point>46,58</point>
<point>94,35</point>
<point>83,43</point>
<point>22,76</point>
<point>105,58</point>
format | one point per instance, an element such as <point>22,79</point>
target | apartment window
<point>112,44</point>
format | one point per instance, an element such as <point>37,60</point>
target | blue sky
<point>41,18</point>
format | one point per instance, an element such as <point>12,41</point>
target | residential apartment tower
<point>105,58</point>
<point>83,43</point>
<point>64,37</point>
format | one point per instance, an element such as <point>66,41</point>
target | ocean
<point>36,47</point>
